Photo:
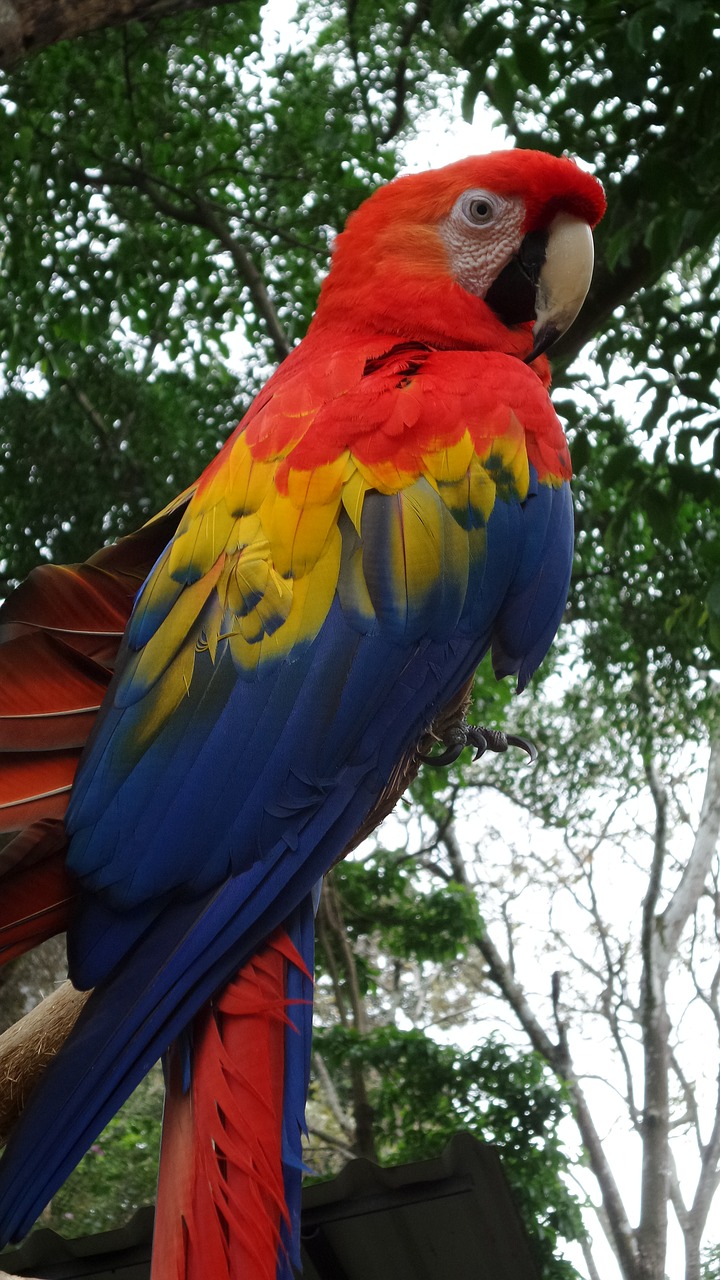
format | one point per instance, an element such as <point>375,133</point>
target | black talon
<point>455,740</point>
<point>524,745</point>
<point>446,757</point>
<point>459,736</point>
<point>482,739</point>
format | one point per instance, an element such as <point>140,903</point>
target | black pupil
<point>481,209</point>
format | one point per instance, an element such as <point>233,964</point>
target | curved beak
<point>563,280</point>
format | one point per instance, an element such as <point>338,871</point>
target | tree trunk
<point>26,26</point>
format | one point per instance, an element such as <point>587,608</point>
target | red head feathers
<point>421,256</point>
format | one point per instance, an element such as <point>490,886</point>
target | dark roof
<point>452,1216</point>
<point>123,1253</point>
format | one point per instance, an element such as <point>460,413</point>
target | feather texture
<point>231,1165</point>
<point>59,636</point>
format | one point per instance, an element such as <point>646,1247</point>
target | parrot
<point>200,720</point>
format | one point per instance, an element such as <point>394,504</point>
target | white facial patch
<point>481,233</point>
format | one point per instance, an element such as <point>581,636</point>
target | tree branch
<point>557,1056</point>
<point>655,1130</point>
<point>331,909</point>
<point>248,272</point>
<point>333,1101</point>
<point>593,1272</point>
<point>621,1235</point>
<point>329,1139</point>
<point>27,1047</point>
<point>610,1001</point>
<point>199,212</point>
<point>410,27</point>
<point>684,900</point>
<point>27,26</point>
<point>108,438</point>
<point>709,1179</point>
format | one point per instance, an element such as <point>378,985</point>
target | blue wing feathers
<point>257,786</point>
<point>534,605</point>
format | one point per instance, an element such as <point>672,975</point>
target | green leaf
<point>503,90</point>
<point>473,86</point>
<point>713,600</point>
<point>532,61</point>
<point>580,450</point>
<point>662,515</point>
<point>621,463</point>
<point>636,29</point>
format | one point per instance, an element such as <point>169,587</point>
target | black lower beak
<point>544,339</point>
<point>513,295</point>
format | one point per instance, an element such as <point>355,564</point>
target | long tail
<point>231,1164</point>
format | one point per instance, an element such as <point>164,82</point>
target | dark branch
<point>27,26</point>
<point>401,80</point>
<point>193,209</point>
<point>557,1055</point>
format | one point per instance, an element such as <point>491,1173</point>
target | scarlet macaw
<point>394,504</point>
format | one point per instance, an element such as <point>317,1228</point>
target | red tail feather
<point>221,1198</point>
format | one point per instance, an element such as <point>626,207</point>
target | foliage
<point>395,943</point>
<point>185,140</point>
<point>711,1264</point>
<point>422,1092</point>
<point>381,895</point>
<point>130,210</point>
<point>119,1172</point>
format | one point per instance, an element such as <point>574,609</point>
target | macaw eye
<point>480,208</point>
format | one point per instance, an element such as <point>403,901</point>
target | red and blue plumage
<point>395,503</point>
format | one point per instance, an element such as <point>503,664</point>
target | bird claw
<point>459,736</point>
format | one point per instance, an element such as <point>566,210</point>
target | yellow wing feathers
<point>269,538</point>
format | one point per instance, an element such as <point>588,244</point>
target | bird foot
<point>460,735</point>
